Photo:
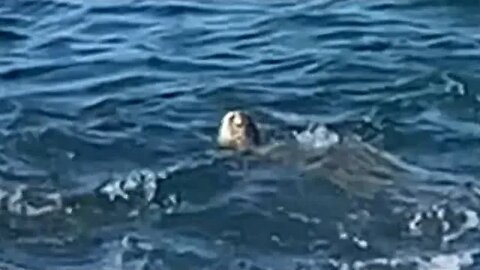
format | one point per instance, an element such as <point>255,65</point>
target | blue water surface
<point>108,110</point>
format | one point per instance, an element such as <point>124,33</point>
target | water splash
<point>316,136</point>
<point>442,261</point>
<point>138,180</point>
<point>30,202</point>
<point>147,181</point>
<point>444,222</point>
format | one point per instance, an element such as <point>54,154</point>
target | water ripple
<point>92,92</point>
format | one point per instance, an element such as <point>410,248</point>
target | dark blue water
<point>108,110</point>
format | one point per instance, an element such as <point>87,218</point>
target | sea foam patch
<point>316,137</point>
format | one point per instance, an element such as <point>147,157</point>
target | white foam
<point>317,137</point>
<point>453,86</point>
<point>113,189</point>
<point>136,179</point>
<point>452,261</point>
<point>448,262</point>
<point>472,221</point>
<point>18,203</point>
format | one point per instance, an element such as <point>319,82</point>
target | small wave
<point>14,20</point>
<point>176,8</point>
<point>140,251</point>
<point>455,261</point>
<point>28,71</point>
<point>449,261</point>
<point>143,179</point>
<point>28,202</point>
<point>12,35</point>
<point>189,65</point>
<point>317,137</point>
<point>444,223</point>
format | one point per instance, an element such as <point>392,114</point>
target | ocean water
<point>109,110</point>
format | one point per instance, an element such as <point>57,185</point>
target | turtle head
<point>237,131</point>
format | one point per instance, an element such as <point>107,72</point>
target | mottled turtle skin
<point>351,164</point>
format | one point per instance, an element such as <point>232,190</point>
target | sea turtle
<point>348,162</point>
